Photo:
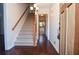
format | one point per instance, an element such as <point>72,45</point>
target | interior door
<point>70,28</point>
<point>62,32</point>
<point>1,28</point>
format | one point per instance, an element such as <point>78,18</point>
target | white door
<point>70,29</point>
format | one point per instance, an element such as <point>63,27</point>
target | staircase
<point>25,37</point>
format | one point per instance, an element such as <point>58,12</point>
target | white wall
<point>54,25</point>
<point>12,13</point>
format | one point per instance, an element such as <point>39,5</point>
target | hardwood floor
<point>2,52</point>
<point>44,47</point>
<point>2,45</point>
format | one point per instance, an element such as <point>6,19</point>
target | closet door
<point>70,28</point>
<point>62,32</point>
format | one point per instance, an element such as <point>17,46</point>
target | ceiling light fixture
<point>31,8</point>
<point>34,7</point>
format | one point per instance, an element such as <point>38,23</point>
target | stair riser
<point>29,24</point>
<point>24,45</point>
<point>25,33</point>
<point>27,29</point>
<point>25,38</point>
<point>17,42</point>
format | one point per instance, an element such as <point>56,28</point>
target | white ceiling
<point>44,5</point>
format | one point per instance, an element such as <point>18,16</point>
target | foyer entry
<point>44,47</point>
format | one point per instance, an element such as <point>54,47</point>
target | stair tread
<point>24,44</point>
<point>21,41</point>
<point>25,33</point>
<point>26,30</point>
<point>24,37</point>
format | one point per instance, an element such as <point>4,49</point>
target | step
<point>27,26</point>
<point>25,40</point>
<point>28,33</point>
<point>31,21</point>
<point>28,23</point>
<point>25,37</point>
<point>24,44</point>
<point>27,29</point>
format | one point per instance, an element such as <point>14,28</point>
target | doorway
<point>42,24</point>
<point>1,28</point>
<point>42,28</point>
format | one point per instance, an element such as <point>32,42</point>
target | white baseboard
<point>54,47</point>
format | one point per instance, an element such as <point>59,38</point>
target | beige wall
<point>54,25</point>
<point>12,13</point>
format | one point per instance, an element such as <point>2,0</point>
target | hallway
<point>44,47</point>
<point>23,26</point>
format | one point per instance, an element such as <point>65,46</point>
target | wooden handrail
<point>20,18</point>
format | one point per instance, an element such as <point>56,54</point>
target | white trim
<point>54,46</point>
<point>5,27</point>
